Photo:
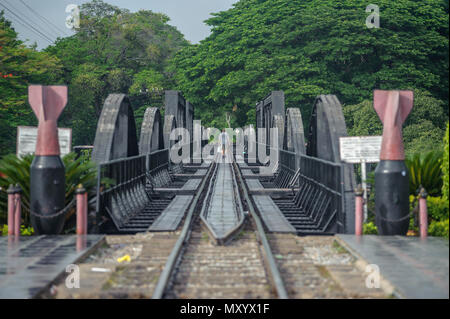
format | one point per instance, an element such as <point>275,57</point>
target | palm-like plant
<point>425,170</point>
<point>17,171</point>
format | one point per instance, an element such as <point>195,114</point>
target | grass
<point>205,236</point>
<point>339,248</point>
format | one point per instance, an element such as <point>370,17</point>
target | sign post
<point>364,185</point>
<point>361,150</point>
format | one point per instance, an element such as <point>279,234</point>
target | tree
<point>114,51</point>
<point>20,66</point>
<point>306,48</point>
<point>423,130</point>
<point>445,167</point>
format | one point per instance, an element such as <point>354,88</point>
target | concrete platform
<point>415,268</point>
<point>31,263</point>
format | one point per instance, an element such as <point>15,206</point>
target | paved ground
<point>416,268</point>
<point>29,264</point>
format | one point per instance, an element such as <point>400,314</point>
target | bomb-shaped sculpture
<point>391,174</point>
<point>47,173</point>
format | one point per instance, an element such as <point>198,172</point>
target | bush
<point>370,229</point>
<point>438,228</point>
<point>17,171</point>
<point>24,231</point>
<point>425,170</point>
<point>445,167</point>
<point>438,208</point>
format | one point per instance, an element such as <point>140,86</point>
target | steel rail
<point>276,276</point>
<point>175,254</point>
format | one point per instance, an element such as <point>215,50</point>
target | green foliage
<point>423,130</point>
<point>370,229</point>
<point>17,171</point>
<point>19,67</point>
<point>114,51</point>
<point>306,48</point>
<point>425,170</point>
<point>24,231</point>
<point>438,215</point>
<point>438,208</point>
<point>445,167</point>
<point>439,228</point>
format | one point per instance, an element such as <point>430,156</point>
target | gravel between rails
<point>233,271</point>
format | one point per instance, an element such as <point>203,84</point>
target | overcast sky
<point>186,15</point>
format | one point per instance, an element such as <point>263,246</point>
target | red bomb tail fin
<point>35,99</point>
<point>382,99</point>
<point>47,102</point>
<point>393,108</point>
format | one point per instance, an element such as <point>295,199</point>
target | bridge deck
<point>254,185</point>
<point>247,172</point>
<point>170,218</point>
<point>191,184</point>
<point>272,216</point>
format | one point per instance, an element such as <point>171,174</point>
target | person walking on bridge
<point>224,140</point>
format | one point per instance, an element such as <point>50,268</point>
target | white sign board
<point>359,149</point>
<point>27,136</point>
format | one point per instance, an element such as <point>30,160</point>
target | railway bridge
<point>309,190</point>
<point>210,225</point>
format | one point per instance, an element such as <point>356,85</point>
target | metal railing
<point>158,168</point>
<point>320,196</point>
<point>321,192</point>
<point>287,169</point>
<point>124,186</point>
<point>121,189</point>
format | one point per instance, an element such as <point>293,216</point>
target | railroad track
<point>191,263</point>
<point>243,268</point>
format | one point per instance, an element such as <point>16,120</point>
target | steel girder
<point>152,138</point>
<point>116,130</point>
<point>326,126</point>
